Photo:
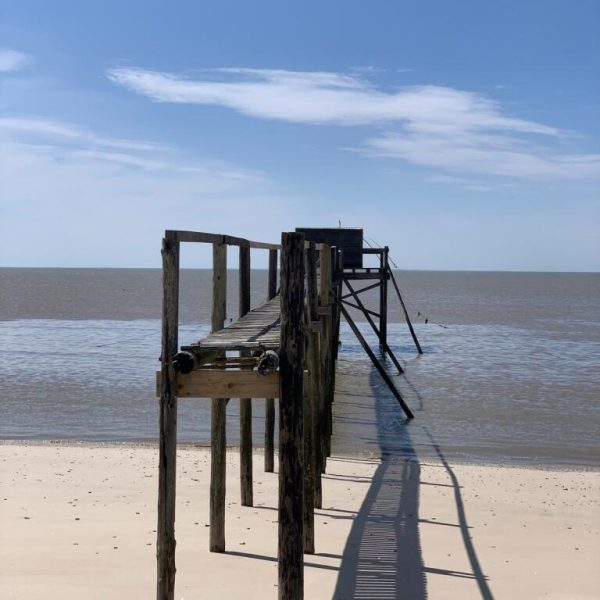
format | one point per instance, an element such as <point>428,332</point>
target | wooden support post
<point>245,403</point>
<point>317,394</point>
<point>314,366</point>
<point>270,402</point>
<point>383,297</point>
<point>165,531</point>
<point>309,395</point>
<point>291,372</point>
<point>218,439</point>
<point>337,291</point>
<point>309,467</point>
<point>272,286</point>
<point>363,308</point>
<point>326,328</point>
<point>376,363</point>
<point>338,263</point>
<point>412,331</point>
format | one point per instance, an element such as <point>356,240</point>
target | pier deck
<point>260,328</point>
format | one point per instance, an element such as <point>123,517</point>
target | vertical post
<point>218,439</point>
<point>383,298</point>
<point>317,395</point>
<point>309,395</point>
<point>315,371</point>
<point>291,497</point>
<point>410,326</point>
<point>338,266</point>
<point>165,531</point>
<point>245,403</point>
<point>326,336</point>
<point>270,402</point>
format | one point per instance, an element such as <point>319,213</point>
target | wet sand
<point>79,521</point>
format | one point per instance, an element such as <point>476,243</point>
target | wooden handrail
<point>216,238</point>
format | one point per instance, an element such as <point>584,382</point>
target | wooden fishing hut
<point>285,348</point>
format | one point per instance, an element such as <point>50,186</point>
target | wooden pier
<point>286,349</point>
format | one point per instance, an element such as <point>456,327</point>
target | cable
<point>426,319</point>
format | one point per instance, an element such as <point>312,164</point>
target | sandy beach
<point>79,521</point>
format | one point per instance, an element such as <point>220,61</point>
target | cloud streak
<point>71,141</point>
<point>74,191</point>
<point>12,60</point>
<point>326,98</point>
<point>433,126</point>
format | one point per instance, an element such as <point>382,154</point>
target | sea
<point>510,370</point>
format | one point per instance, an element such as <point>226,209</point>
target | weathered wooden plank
<point>326,355</point>
<point>363,275</point>
<point>270,402</point>
<point>315,368</point>
<point>167,475</point>
<point>225,383</point>
<point>215,238</point>
<point>269,435</point>
<point>309,466</point>
<point>244,281</point>
<point>312,292</point>
<point>218,444</point>
<point>383,300</point>
<point>245,403</point>
<point>291,497</point>
<point>218,441</point>
<point>196,236</point>
<point>410,326</point>
<point>272,284</point>
<point>371,250</point>
<point>236,241</point>
<point>376,363</point>
<point>366,312</point>
<point>312,425</point>
<point>259,327</point>
<point>219,299</point>
<point>325,275</point>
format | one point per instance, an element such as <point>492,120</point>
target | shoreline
<point>525,463</point>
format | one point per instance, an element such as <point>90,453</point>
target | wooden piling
<point>309,396</point>
<point>218,411</point>
<point>376,363</point>
<point>165,531</point>
<point>270,402</point>
<point>410,325</point>
<point>359,304</point>
<point>314,366</point>
<point>326,330</point>
<point>336,285</point>
<point>245,403</point>
<point>291,355</point>
<point>383,298</point>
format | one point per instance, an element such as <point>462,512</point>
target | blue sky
<point>465,135</point>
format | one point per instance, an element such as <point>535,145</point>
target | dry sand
<point>78,521</point>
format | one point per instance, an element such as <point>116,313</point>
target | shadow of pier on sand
<point>383,558</point>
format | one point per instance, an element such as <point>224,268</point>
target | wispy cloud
<point>12,60</point>
<point>434,126</point>
<point>328,98</point>
<point>75,141</point>
<point>74,190</point>
<point>477,153</point>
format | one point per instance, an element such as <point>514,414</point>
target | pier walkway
<point>258,329</point>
